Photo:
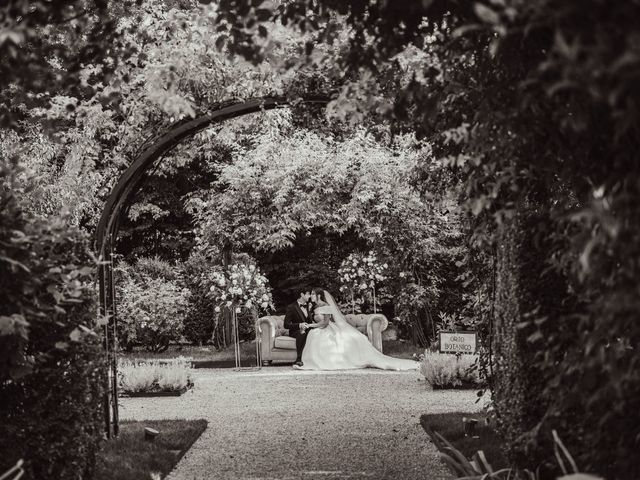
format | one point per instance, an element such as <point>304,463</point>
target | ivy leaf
<point>220,41</point>
<point>477,205</point>
<point>486,14</point>
<point>535,337</point>
<point>75,335</point>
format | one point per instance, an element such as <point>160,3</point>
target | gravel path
<point>278,423</point>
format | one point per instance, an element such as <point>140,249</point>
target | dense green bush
<point>554,360</point>
<point>525,291</point>
<point>53,418</point>
<point>152,304</point>
<point>200,319</point>
<point>52,370</point>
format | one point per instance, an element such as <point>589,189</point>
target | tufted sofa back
<point>358,321</point>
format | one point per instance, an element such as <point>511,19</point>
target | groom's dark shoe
<point>298,365</point>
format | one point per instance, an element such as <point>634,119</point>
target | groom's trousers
<point>301,340</point>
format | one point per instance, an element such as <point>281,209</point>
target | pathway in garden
<point>279,423</point>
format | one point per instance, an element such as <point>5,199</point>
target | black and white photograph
<point>319,239</point>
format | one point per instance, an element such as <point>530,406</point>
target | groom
<point>299,315</point>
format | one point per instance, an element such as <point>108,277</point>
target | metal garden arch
<point>120,199</point>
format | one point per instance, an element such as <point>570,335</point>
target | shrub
<point>155,375</point>
<point>525,291</point>
<point>52,369</point>
<point>53,418</point>
<point>151,310</point>
<point>155,267</point>
<point>446,370</point>
<point>200,319</point>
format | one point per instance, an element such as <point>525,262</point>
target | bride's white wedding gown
<point>340,346</point>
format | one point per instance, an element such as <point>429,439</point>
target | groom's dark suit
<point>295,315</point>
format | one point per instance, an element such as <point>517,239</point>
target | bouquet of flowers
<point>359,274</point>
<point>240,287</point>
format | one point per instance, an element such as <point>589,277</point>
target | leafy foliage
<point>152,304</point>
<point>45,47</point>
<point>52,369</point>
<point>294,187</point>
<point>199,322</point>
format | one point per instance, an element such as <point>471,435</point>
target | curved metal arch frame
<point>120,199</point>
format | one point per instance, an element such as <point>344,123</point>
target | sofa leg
<point>266,363</point>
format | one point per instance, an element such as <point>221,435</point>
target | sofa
<point>277,346</point>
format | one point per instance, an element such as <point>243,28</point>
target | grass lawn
<point>209,357</point>
<point>131,457</point>
<point>450,426</point>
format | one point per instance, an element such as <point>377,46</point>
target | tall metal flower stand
<point>375,309</point>
<point>236,343</point>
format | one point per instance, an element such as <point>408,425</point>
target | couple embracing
<point>326,341</point>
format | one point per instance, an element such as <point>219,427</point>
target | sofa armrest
<point>267,328</point>
<point>376,324</point>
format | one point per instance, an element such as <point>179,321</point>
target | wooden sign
<point>458,342</point>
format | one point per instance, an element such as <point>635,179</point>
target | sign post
<point>458,342</point>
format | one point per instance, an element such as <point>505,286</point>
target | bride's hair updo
<point>319,294</point>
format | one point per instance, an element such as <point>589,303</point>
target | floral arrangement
<point>240,287</point>
<point>359,274</point>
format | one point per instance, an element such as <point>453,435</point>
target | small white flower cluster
<point>361,271</point>
<point>240,287</point>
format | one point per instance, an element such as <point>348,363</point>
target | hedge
<point>545,374</point>
<point>527,291</point>
<point>52,369</point>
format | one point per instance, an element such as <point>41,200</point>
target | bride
<point>333,344</point>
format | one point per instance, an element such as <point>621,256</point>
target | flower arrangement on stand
<point>241,288</point>
<point>360,274</point>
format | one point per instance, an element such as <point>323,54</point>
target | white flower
<point>217,309</point>
<point>401,274</point>
<point>265,297</point>
<point>238,309</point>
<point>251,268</point>
<point>360,272</point>
<point>249,304</point>
<point>229,303</point>
<point>264,304</point>
<point>385,265</point>
<point>212,288</point>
